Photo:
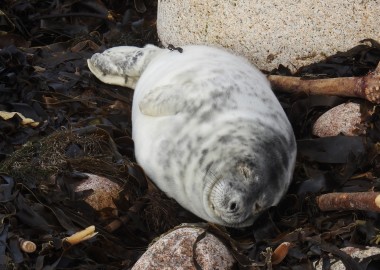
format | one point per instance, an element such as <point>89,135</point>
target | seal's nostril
<point>233,206</point>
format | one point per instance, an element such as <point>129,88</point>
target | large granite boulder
<point>269,33</point>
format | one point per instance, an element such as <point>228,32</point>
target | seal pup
<point>208,130</point>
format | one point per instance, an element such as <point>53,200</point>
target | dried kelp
<point>85,127</point>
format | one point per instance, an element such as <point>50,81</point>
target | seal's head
<point>235,198</point>
<point>228,198</point>
<point>240,186</point>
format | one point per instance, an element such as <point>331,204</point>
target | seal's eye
<point>245,170</point>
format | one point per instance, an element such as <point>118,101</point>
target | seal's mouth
<point>243,222</point>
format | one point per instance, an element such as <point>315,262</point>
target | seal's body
<point>207,128</point>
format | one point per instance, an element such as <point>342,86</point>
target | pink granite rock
<point>175,251</point>
<point>343,119</point>
<point>354,252</point>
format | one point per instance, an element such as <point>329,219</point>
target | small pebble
<point>175,251</point>
<point>343,119</point>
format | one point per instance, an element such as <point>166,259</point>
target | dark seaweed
<point>84,126</point>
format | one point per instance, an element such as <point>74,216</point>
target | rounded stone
<point>269,33</point>
<point>355,252</point>
<point>343,119</point>
<point>104,191</point>
<point>175,251</point>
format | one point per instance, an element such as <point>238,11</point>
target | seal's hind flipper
<point>162,101</point>
<point>122,65</point>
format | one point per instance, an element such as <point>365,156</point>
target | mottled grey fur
<point>207,128</point>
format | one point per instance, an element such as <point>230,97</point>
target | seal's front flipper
<point>162,101</point>
<point>122,65</point>
<point>171,99</point>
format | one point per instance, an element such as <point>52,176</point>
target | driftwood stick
<point>280,253</point>
<point>366,201</point>
<point>81,236</point>
<point>367,87</point>
<point>117,223</point>
<point>27,246</point>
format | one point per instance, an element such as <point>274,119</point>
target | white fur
<point>184,104</point>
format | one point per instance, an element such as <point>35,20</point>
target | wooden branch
<point>366,201</point>
<point>367,87</point>
<point>117,223</point>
